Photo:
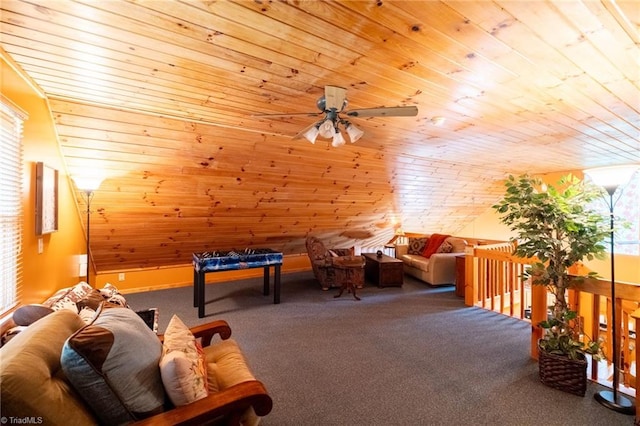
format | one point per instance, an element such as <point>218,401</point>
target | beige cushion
<point>182,367</point>
<point>181,382</point>
<point>227,367</point>
<point>458,244</point>
<point>416,261</point>
<point>225,360</point>
<point>32,382</point>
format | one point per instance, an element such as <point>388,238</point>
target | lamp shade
<point>87,183</point>
<point>338,140</point>
<point>326,129</point>
<point>353,132</point>
<point>611,177</point>
<point>311,134</point>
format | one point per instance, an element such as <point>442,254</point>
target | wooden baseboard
<point>219,277</point>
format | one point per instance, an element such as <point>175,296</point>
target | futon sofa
<point>431,258</point>
<point>114,369</point>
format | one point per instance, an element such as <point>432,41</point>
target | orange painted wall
<point>488,226</point>
<point>57,265</point>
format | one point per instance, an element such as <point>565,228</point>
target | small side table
<point>346,269</point>
<point>384,271</point>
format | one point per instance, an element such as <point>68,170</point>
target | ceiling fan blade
<point>334,97</point>
<point>294,114</point>
<point>401,111</point>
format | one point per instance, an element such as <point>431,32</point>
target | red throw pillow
<point>432,245</point>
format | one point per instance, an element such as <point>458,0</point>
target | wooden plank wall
<point>176,188</point>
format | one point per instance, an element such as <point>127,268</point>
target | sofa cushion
<point>459,244</point>
<point>435,240</point>
<point>82,296</point>
<point>112,295</point>
<point>181,382</point>
<point>338,252</point>
<point>91,300</point>
<point>183,367</point>
<point>33,386</point>
<point>416,245</point>
<point>67,298</point>
<point>445,247</point>
<point>227,367</point>
<point>113,364</point>
<point>416,261</point>
<point>226,362</point>
<point>28,314</point>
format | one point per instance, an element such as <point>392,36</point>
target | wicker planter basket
<point>562,373</point>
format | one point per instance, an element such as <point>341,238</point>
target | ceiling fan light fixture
<point>332,105</point>
<point>338,139</point>
<point>311,134</point>
<point>326,129</point>
<point>353,132</point>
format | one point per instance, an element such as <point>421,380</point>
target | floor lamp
<point>610,178</point>
<point>88,186</point>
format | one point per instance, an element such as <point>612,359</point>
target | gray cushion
<point>113,364</point>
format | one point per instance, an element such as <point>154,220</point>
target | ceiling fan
<point>332,105</point>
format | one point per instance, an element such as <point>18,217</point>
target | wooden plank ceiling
<point>159,97</point>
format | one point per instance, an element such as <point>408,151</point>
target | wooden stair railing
<point>493,281</point>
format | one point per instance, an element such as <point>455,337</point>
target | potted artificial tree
<point>557,228</point>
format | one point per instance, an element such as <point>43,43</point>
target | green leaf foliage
<point>555,225</point>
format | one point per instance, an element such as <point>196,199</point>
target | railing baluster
<point>595,330</point>
<point>636,315</point>
<point>492,272</point>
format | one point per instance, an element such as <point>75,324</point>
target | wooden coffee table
<point>384,271</point>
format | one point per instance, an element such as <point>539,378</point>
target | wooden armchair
<point>225,407</point>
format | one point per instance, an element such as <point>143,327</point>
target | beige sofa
<point>439,268</point>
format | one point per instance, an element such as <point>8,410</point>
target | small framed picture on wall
<point>46,199</point>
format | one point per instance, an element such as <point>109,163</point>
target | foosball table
<point>216,261</point>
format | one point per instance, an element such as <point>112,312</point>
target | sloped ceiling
<point>159,98</point>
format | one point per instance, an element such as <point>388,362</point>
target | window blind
<point>11,211</point>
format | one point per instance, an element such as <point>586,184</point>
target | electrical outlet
<point>121,276</point>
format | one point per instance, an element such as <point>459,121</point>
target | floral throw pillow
<point>183,366</point>
<point>113,295</point>
<point>67,298</point>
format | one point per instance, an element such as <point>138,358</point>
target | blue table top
<point>226,261</point>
